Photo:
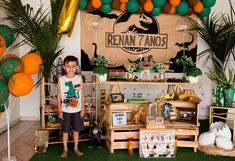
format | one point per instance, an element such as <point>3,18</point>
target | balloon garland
<point>155,7</point>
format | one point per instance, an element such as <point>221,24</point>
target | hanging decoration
<point>68,16</point>
<point>20,84</point>
<point>3,45</point>
<point>7,34</point>
<point>155,7</point>
<point>31,67</point>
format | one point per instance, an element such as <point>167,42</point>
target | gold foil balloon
<point>68,16</point>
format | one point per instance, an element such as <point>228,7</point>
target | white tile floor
<point>22,135</point>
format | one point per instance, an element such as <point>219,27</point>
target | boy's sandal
<point>79,153</point>
<point>64,154</point>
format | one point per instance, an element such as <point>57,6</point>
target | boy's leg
<point>65,141</point>
<point>77,125</point>
<point>76,138</point>
<point>65,144</point>
<point>66,124</point>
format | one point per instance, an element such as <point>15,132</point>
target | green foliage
<point>220,76</point>
<point>38,30</point>
<point>218,31</point>
<point>184,61</point>
<point>101,69</point>
<point>194,72</point>
<point>100,63</point>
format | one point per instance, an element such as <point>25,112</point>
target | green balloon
<point>132,6</point>
<point>208,3</point>
<point>7,33</point>
<point>106,8</point>
<point>159,3</point>
<point>205,12</point>
<point>83,4</point>
<point>156,11</point>
<point>4,92</point>
<point>2,108</point>
<point>106,1</point>
<point>11,66</point>
<point>182,8</point>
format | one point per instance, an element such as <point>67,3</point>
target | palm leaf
<point>218,31</point>
<point>38,30</point>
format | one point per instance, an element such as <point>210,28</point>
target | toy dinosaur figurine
<point>95,136</point>
<point>166,110</point>
<point>137,116</point>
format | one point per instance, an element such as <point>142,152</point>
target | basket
<point>213,150</point>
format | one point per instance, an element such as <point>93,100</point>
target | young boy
<point>70,99</point>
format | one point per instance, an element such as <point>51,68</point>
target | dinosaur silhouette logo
<point>136,34</point>
<point>185,45</point>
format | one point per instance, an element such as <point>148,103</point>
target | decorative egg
<point>221,129</point>
<point>224,143</point>
<point>206,138</point>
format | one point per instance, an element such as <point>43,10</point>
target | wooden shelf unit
<point>184,130</point>
<point>222,116</point>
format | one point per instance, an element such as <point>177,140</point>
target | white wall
<point>28,106</point>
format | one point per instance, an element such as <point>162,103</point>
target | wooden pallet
<point>117,137</point>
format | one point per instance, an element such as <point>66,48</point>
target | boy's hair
<point>70,58</point>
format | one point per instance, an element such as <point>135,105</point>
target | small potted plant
<point>186,62</point>
<point>100,68</point>
<point>193,74</point>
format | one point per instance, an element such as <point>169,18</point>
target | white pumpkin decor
<point>206,138</point>
<point>221,129</point>
<point>224,143</point>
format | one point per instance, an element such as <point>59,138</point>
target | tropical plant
<point>218,31</point>
<point>99,63</point>
<point>38,30</point>
<point>225,80</point>
<point>193,72</point>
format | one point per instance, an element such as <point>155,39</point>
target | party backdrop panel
<point>122,36</point>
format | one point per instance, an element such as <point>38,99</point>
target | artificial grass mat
<point>183,154</point>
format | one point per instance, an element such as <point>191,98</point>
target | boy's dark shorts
<point>72,120</point>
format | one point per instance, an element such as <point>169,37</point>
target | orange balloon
<point>20,84</point>
<point>174,3</point>
<point>96,3</point>
<point>3,45</point>
<point>123,1</point>
<point>32,63</point>
<point>8,56</point>
<point>123,7</point>
<point>172,11</point>
<point>148,6</point>
<point>198,7</point>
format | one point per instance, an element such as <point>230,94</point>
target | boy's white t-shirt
<point>70,89</point>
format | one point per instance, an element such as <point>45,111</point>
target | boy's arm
<point>83,100</point>
<point>59,101</point>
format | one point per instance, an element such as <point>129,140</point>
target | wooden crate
<point>186,131</point>
<point>186,134</point>
<point>178,107</point>
<point>129,108</point>
<point>117,137</point>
